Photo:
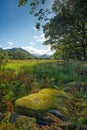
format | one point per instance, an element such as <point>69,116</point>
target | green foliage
<point>3,60</point>
<point>76,108</point>
<point>68,29</point>
<point>22,2</point>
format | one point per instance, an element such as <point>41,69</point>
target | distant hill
<point>18,54</point>
<point>21,54</point>
<point>1,49</point>
<point>44,56</point>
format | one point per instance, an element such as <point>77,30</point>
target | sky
<point>17,28</point>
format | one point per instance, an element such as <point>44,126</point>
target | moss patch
<point>42,101</point>
<point>21,123</point>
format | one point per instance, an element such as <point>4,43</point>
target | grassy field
<point>46,73</point>
<point>53,69</point>
<point>17,64</point>
<point>23,77</point>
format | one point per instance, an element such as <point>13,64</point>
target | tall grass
<point>49,68</point>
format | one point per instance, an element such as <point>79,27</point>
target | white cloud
<point>10,43</point>
<point>34,50</point>
<point>8,47</point>
<point>40,38</point>
<point>32,43</point>
<point>0,45</point>
<point>35,37</point>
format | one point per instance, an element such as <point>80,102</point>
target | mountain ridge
<point>19,53</point>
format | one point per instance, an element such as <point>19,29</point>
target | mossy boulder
<point>37,103</point>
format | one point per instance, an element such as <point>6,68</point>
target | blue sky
<point>17,28</point>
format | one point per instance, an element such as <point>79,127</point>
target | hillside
<point>21,54</point>
<point>18,54</point>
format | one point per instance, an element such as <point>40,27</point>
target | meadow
<point>16,64</point>
<point>22,77</point>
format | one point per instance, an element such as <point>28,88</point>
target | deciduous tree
<point>68,28</point>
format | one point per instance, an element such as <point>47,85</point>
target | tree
<point>68,28</point>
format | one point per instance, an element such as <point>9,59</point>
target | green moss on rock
<point>42,101</point>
